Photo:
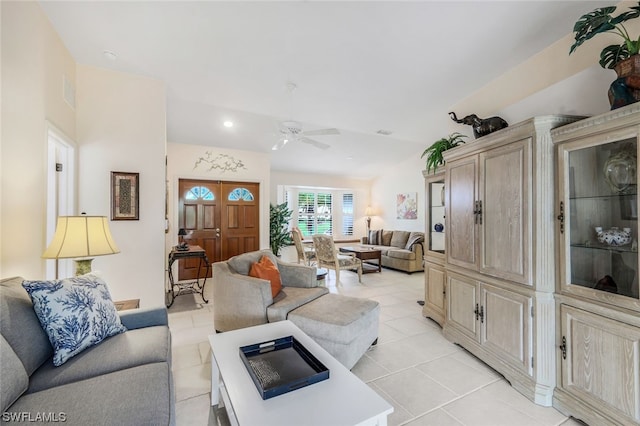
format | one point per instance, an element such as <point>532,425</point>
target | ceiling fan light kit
<point>293,131</point>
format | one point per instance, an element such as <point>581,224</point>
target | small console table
<point>178,288</point>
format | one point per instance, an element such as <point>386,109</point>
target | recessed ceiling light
<point>228,123</point>
<point>109,55</point>
<point>384,132</point>
<point>349,158</point>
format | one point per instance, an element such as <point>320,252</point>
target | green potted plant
<point>623,58</point>
<point>279,217</point>
<point>434,152</point>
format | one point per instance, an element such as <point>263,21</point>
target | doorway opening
<point>61,194</point>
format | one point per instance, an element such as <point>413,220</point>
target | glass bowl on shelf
<point>620,171</point>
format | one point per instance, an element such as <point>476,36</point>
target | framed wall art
<point>125,196</point>
<point>407,205</point>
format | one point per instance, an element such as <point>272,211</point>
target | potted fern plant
<point>434,152</point>
<point>623,58</point>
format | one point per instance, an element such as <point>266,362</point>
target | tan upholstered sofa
<point>402,250</point>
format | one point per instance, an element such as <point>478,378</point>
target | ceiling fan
<point>292,131</point>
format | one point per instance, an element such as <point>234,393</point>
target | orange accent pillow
<point>266,270</point>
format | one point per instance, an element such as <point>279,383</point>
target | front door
<point>240,218</point>
<point>220,217</point>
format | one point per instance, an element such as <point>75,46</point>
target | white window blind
<point>322,210</point>
<point>347,214</point>
<point>315,213</point>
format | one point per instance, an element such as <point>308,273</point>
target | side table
<point>123,305</point>
<point>178,288</point>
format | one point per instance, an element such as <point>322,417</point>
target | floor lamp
<point>369,212</point>
<point>81,236</point>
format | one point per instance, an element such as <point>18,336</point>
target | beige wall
<point>181,160</point>
<point>34,61</point>
<point>122,127</point>
<point>399,178</point>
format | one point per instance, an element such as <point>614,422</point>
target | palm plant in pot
<point>434,152</point>
<point>279,236</point>
<point>623,58</point>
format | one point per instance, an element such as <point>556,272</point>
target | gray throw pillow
<point>242,262</point>
<point>386,238</point>
<point>399,239</point>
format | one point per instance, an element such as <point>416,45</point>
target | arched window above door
<point>200,192</point>
<point>240,194</point>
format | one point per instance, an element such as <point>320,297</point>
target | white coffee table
<point>343,399</point>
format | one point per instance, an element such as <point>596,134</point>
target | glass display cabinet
<point>434,270</point>
<point>598,306</point>
<point>598,217</point>
<point>436,216</point>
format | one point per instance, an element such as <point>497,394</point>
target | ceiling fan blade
<point>321,132</point>
<point>281,143</point>
<point>314,143</point>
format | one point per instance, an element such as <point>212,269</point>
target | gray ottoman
<point>344,326</point>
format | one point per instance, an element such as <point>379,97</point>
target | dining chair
<point>328,257</point>
<point>306,254</point>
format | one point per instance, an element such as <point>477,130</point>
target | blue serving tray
<point>281,365</point>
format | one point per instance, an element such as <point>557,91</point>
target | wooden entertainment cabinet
<point>526,282</point>
<point>499,279</point>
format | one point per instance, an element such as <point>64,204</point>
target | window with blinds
<point>315,215</point>
<point>322,211</point>
<point>347,214</point>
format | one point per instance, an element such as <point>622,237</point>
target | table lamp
<point>181,233</point>
<point>81,236</point>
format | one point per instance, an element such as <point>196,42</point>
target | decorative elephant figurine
<point>481,126</point>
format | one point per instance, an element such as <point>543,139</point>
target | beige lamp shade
<point>369,211</point>
<point>81,236</point>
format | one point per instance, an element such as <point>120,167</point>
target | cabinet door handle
<point>475,212</point>
<point>480,211</point>
<point>481,314</point>
<point>561,217</point>
<point>563,347</point>
<point>477,312</point>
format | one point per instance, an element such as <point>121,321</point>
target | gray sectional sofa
<point>124,380</point>
<point>344,326</point>
<point>401,250</point>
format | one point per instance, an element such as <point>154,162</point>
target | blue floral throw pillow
<point>76,313</point>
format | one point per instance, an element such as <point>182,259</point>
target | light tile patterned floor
<point>427,379</point>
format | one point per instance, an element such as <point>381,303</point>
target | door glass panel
<point>199,192</point>
<point>603,217</point>
<point>436,217</point>
<point>240,194</point>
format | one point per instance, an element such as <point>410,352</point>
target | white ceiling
<point>359,67</point>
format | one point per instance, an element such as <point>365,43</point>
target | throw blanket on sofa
<point>414,239</point>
